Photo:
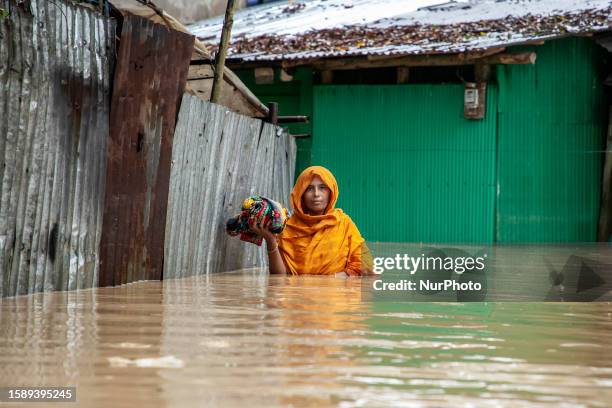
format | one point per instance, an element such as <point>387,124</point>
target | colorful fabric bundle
<point>257,210</point>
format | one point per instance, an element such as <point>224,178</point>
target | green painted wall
<point>551,134</point>
<point>409,166</point>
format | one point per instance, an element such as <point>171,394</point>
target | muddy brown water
<point>244,339</point>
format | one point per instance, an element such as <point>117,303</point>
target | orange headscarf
<point>321,244</point>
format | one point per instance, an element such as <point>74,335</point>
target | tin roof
<point>309,29</point>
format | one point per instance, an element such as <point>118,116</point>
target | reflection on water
<point>246,339</point>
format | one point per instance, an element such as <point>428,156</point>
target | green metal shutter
<point>410,168</point>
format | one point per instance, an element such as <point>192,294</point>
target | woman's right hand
<point>263,231</point>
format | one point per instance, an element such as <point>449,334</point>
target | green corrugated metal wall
<point>551,132</point>
<point>409,166</point>
<point>392,149</point>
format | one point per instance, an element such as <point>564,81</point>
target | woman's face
<point>316,197</point>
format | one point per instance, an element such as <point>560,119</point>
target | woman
<point>318,239</point>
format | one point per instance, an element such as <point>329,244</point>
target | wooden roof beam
<point>491,56</point>
<point>468,54</point>
<point>425,61</point>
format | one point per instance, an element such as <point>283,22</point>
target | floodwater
<point>248,340</point>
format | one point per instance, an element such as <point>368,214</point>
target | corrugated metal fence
<point>151,72</point>
<point>55,66</point>
<point>410,147</point>
<point>58,183</point>
<point>219,158</point>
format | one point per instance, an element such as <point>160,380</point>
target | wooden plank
<point>197,72</point>
<point>482,72</point>
<point>477,110</point>
<point>425,60</point>
<point>327,76</point>
<point>273,109</point>
<point>374,61</point>
<point>199,83</point>
<point>489,56</point>
<point>226,33</point>
<point>475,100</point>
<point>264,76</point>
<point>470,55</point>
<point>403,74</point>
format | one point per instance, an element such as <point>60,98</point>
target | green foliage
<point>3,13</point>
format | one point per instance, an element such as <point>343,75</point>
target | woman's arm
<point>275,261</point>
<point>360,258</point>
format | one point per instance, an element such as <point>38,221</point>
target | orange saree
<point>322,244</point>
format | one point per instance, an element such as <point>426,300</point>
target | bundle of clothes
<point>257,210</point>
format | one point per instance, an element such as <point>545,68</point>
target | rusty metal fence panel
<point>55,64</point>
<point>151,72</point>
<point>218,159</point>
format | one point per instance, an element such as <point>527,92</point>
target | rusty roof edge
<point>150,11</point>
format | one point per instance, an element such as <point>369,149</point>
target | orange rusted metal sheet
<point>150,77</point>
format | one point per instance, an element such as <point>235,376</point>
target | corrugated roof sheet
<point>326,28</point>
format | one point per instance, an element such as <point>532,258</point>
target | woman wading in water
<point>318,239</point>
